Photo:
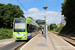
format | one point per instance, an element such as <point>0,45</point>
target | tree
<point>52,26</point>
<point>68,10</point>
<point>8,13</point>
<point>31,18</point>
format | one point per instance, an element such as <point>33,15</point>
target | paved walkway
<point>5,42</point>
<point>54,43</point>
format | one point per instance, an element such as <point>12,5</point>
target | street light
<point>45,8</point>
<point>45,24</point>
<point>45,11</point>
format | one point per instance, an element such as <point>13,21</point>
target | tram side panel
<point>31,30</point>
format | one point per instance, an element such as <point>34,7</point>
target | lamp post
<point>45,24</point>
<point>45,11</point>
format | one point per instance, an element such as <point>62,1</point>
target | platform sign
<point>41,21</point>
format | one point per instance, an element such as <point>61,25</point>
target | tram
<point>23,28</point>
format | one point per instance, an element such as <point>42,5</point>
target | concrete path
<point>4,42</point>
<point>54,43</point>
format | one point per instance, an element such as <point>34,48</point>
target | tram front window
<point>19,25</point>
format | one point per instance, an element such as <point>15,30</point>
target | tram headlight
<point>14,35</point>
<point>24,35</point>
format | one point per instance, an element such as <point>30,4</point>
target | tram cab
<point>24,28</point>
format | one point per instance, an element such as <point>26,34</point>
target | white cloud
<point>37,14</point>
<point>33,10</point>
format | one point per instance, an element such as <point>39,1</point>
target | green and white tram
<point>23,28</point>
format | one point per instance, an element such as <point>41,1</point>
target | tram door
<point>31,29</point>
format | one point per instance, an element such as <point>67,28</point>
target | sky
<point>34,9</point>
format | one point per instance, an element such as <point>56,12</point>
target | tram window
<point>29,28</point>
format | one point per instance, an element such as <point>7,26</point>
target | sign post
<point>45,22</point>
<point>45,27</point>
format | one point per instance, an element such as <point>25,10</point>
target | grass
<point>59,29</point>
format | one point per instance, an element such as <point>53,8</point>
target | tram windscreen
<point>19,25</point>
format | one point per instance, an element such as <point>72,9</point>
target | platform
<point>54,42</point>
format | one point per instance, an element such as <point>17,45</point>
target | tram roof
<point>32,22</point>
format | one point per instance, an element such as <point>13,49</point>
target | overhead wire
<point>55,16</point>
<point>23,7</point>
<point>31,15</point>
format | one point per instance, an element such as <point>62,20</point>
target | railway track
<point>18,47</point>
<point>67,39</point>
<point>13,46</point>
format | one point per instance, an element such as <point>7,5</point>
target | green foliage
<point>52,26</point>
<point>5,33</point>
<point>31,18</point>
<point>37,20</point>
<point>68,10</point>
<point>48,28</point>
<point>8,13</point>
<point>59,29</point>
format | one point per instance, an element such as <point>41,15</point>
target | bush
<point>5,33</point>
<point>59,29</point>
